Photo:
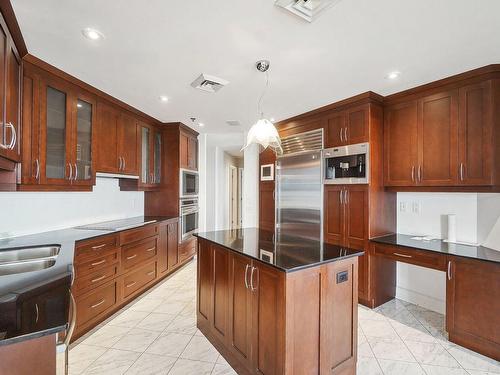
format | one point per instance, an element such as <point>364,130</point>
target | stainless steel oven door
<point>189,224</point>
<point>189,183</point>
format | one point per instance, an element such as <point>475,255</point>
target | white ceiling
<point>158,47</point>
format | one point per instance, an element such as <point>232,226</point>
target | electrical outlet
<point>416,208</point>
<point>402,206</point>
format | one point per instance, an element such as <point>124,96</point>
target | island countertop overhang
<point>287,254</point>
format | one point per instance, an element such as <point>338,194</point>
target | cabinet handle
<point>150,249</point>
<point>420,173</point>
<point>340,196</point>
<point>251,279</point>
<point>124,163</point>
<point>98,304</point>
<point>37,168</point>
<point>98,279</point>
<point>246,276</point>
<point>70,172</point>
<point>346,196</point>
<point>98,247</point>
<point>274,195</point>
<point>403,255</point>
<point>131,284</point>
<point>132,257</point>
<point>448,272</point>
<point>76,172</point>
<point>413,173</point>
<point>119,163</point>
<point>461,171</point>
<point>345,134</point>
<point>150,273</point>
<point>341,139</point>
<point>37,313</point>
<point>13,139</point>
<point>100,262</point>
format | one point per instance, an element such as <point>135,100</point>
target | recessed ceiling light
<point>92,34</point>
<point>393,75</point>
<point>201,124</point>
<point>164,98</point>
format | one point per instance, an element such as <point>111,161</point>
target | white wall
<point>30,212</point>
<point>251,175</point>
<point>425,214</point>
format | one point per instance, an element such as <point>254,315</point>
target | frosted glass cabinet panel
<point>83,163</point>
<point>56,134</point>
<point>145,175</point>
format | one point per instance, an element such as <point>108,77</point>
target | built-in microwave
<point>189,185</point>
<point>347,164</point>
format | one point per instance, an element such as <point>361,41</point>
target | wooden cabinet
<point>472,305</point>
<point>117,142</point>
<point>151,141</point>
<point>10,100</point>
<point>267,321</point>
<point>266,206</point>
<point>188,148</point>
<point>442,140</point>
<point>348,127</point>
<point>58,121</point>
<point>168,248</point>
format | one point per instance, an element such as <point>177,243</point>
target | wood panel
<point>421,258</point>
<point>205,276</point>
<point>335,130</point>
<point>24,357</point>
<point>128,143</point>
<point>266,206</point>
<point>173,246</point>
<point>13,100</point>
<point>220,293</point>
<point>107,138</point>
<point>357,125</point>
<point>356,216</point>
<point>334,227</point>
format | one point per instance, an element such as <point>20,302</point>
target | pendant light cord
<point>259,105</point>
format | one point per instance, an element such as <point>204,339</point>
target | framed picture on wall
<point>267,172</point>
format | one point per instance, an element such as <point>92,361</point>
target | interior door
<point>475,135</point>
<point>334,214</point>
<point>240,309</point>
<point>438,139</point>
<point>400,144</point>
<point>128,144</point>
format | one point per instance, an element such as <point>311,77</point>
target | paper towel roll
<point>452,228</point>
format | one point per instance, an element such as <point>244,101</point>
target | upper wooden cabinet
<point>58,124</point>
<point>151,148</point>
<point>117,141</point>
<point>348,126</point>
<point>10,100</point>
<point>444,139</point>
<point>188,151</point>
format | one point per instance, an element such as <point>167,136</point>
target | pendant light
<point>263,132</point>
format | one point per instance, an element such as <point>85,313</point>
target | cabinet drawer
<point>138,234</point>
<point>187,249</point>
<point>89,250</point>
<point>95,303</point>
<point>137,279</point>
<point>418,257</point>
<point>93,280</point>
<point>84,269</point>
<point>138,252</point>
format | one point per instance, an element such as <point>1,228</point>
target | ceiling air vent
<point>233,123</point>
<point>209,83</point>
<point>307,9</point>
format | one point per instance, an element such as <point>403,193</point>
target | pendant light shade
<point>264,133</point>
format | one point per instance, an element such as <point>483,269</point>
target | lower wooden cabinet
<point>267,321</point>
<point>91,305</point>
<point>473,305</point>
<point>140,277</point>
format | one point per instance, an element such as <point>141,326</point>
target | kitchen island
<point>278,305</point>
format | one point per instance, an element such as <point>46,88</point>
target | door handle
<point>346,196</point>
<point>341,194</point>
<point>119,163</point>
<point>37,168</point>
<point>340,133</point>
<point>252,288</point>
<point>37,313</point>
<point>76,172</point>
<point>70,172</point>
<point>413,173</point>
<point>13,138</point>
<point>461,171</point>
<point>246,276</point>
<point>345,134</point>
<point>448,272</point>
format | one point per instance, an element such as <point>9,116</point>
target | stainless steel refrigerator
<point>299,187</point>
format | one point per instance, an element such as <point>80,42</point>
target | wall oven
<point>189,183</point>
<point>189,218</point>
<point>347,164</point>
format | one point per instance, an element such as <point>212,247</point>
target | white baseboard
<point>420,299</point>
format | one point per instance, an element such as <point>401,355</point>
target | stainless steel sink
<point>28,253</point>
<point>25,266</point>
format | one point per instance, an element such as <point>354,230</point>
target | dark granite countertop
<point>286,254</point>
<point>15,288</point>
<point>440,246</point>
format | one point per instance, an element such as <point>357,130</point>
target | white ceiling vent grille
<point>209,83</point>
<point>308,141</point>
<point>307,9</point>
<point>233,123</point>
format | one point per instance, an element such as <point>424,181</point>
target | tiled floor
<point>157,335</point>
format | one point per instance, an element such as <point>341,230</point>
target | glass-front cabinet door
<point>85,112</point>
<point>157,158</point>
<point>145,156</point>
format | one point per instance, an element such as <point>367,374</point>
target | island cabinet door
<point>220,309</point>
<point>204,300</point>
<point>339,317</point>
<point>268,323</point>
<point>240,309</point>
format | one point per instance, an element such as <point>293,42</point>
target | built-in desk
<point>472,285</point>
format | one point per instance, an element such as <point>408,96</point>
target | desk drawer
<point>95,303</point>
<point>94,279</point>
<point>138,252</point>
<point>107,259</point>
<point>86,251</point>
<point>137,279</point>
<point>138,234</point>
<point>421,258</point>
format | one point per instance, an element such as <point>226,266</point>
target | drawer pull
<point>131,284</point>
<point>98,279</point>
<point>98,247</point>
<point>151,273</point>
<point>132,257</point>
<point>98,304</point>
<point>100,262</point>
<point>403,255</point>
<point>150,249</point>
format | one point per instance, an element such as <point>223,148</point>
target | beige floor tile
<point>431,354</point>
<point>188,367</point>
<point>390,349</point>
<point>113,362</point>
<point>368,366</point>
<point>171,344</point>
<point>400,368</point>
<point>82,356</point>
<point>380,329</point>
<point>151,364</point>
<point>106,336</point>
<point>223,370</point>
<point>437,370</point>
<point>146,304</point>
<point>470,360</point>
<point>136,340</point>
<point>200,349</point>
<point>128,319</point>
<point>156,322</point>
